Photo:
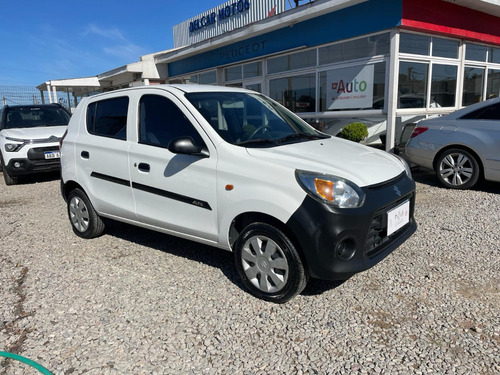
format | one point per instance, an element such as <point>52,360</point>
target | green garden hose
<point>33,364</point>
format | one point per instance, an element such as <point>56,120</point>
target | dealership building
<point>382,62</point>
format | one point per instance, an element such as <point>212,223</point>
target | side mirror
<point>187,146</point>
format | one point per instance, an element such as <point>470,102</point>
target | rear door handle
<point>85,154</point>
<point>143,167</point>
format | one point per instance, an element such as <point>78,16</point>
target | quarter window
<point>162,121</point>
<point>108,118</point>
<point>491,112</point>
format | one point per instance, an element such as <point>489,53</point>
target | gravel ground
<point>140,302</point>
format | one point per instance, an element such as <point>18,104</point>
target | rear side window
<point>161,121</point>
<point>108,118</point>
<point>491,112</point>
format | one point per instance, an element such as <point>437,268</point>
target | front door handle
<point>85,154</point>
<point>143,167</point>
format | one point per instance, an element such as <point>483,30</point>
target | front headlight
<point>13,147</point>
<point>405,165</point>
<point>332,190</point>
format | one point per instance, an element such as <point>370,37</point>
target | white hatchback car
<point>233,169</point>
<point>462,147</point>
<point>29,139</point>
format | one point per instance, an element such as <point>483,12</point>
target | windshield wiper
<point>259,141</point>
<point>298,136</point>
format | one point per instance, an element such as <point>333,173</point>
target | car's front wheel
<point>85,221</point>
<point>457,169</point>
<point>269,264</point>
<point>9,180</point>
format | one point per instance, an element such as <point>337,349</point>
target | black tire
<point>84,220</point>
<point>269,264</point>
<point>457,169</point>
<point>9,180</point>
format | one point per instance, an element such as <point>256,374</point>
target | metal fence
<point>14,95</point>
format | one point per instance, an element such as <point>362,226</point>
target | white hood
<point>360,164</point>
<point>42,132</point>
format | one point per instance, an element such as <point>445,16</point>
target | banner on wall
<point>350,88</point>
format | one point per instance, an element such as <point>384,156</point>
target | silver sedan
<point>462,147</point>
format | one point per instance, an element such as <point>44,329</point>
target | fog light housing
<point>345,249</point>
<point>17,164</point>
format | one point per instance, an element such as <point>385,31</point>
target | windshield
<point>31,117</point>
<point>251,120</point>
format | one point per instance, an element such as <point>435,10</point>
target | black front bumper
<point>324,232</point>
<point>35,163</point>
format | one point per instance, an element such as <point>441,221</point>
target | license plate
<point>52,154</point>
<point>398,217</point>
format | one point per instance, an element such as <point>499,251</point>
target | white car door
<point>175,192</point>
<point>102,157</point>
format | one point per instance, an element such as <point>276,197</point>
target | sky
<point>43,40</point>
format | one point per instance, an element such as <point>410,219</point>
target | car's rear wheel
<point>269,264</point>
<point>85,221</point>
<point>457,169</point>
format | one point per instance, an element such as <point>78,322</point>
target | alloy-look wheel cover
<point>79,214</point>
<point>456,169</point>
<point>265,264</point>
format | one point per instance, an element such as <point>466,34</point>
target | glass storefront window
<point>208,78</point>
<point>493,84</point>
<point>444,48</point>
<point>443,85</point>
<point>494,55</point>
<point>292,62</point>
<point>297,93</point>
<point>412,84</point>
<point>416,44</point>
<point>252,70</point>
<point>475,52</point>
<point>473,85</point>
<point>233,73</point>
<point>355,49</point>
<point>351,99</point>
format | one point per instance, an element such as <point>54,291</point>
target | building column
<point>392,94</point>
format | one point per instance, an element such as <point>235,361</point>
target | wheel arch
<point>246,218</point>
<point>68,187</point>
<point>461,147</point>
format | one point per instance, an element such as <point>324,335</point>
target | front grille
<point>377,238</point>
<point>38,153</point>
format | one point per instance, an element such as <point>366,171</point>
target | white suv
<point>233,169</point>
<point>29,139</point>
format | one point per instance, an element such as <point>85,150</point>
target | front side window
<point>444,85</point>
<point>161,121</point>
<point>108,118</point>
<point>297,93</point>
<point>412,84</point>
<point>251,120</point>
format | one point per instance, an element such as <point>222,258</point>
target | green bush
<point>355,131</point>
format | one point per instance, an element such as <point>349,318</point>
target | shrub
<point>355,131</point>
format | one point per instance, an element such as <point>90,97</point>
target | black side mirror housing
<point>187,146</point>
